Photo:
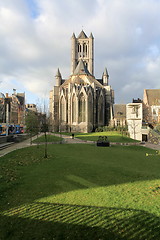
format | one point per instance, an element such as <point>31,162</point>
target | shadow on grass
<point>64,221</point>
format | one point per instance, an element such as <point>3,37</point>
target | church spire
<point>105,77</point>
<point>58,78</point>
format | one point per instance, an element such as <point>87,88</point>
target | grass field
<point>113,136</point>
<point>80,192</point>
<point>50,138</point>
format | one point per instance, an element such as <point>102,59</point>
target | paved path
<point>152,146</point>
<point>69,139</point>
<point>16,146</point>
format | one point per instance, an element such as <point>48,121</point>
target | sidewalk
<point>152,146</point>
<point>16,146</point>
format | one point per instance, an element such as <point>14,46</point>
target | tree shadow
<point>60,221</point>
<point>65,221</point>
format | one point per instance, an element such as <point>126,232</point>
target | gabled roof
<point>82,35</point>
<point>153,96</point>
<point>81,69</point>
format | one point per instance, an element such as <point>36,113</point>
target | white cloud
<point>35,41</point>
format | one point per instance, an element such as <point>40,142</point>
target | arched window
<point>90,109</point>
<point>62,110</point>
<point>74,109</point>
<point>101,114</point>
<point>86,49</point>
<point>78,47</point>
<point>81,108</point>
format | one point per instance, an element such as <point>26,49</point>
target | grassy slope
<point>80,192</point>
<point>113,136</point>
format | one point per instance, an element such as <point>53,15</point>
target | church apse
<point>83,101</point>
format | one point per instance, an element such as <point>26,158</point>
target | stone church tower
<point>82,48</point>
<point>81,103</point>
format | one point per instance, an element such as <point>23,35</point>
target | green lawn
<point>80,192</point>
<point>113,136</point>
<point>50,138</point>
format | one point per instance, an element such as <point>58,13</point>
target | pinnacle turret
<point>58,73</point>
<point>91,36</point>
<point>58,78</point>
<point>105,73</point>
<point>73,36</point>
<point>105,77</point>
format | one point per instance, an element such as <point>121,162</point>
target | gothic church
<point>81,103</point>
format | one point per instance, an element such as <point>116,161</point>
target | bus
<point>11,128</point>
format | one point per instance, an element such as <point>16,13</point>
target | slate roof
<point>82,80</point>
<point>82,76</point>
<point>82,35</point>
<point>153,96</point>
<point>119,110</point>
<point>81,69</point>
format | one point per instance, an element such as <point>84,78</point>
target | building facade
<point>12,108</point>
<point>134,117</point>
<point>119,119</point>
<point>151,106</point>
<point>31,107</point>
<point>81,103</point>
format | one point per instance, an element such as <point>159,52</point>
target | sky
<point>35,39</point>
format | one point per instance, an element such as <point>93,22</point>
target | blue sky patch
<point>32,5</point>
